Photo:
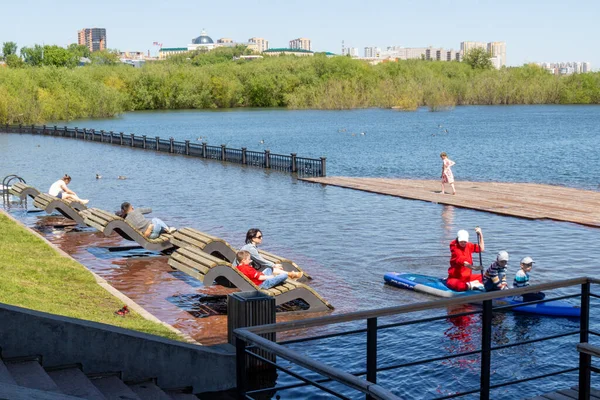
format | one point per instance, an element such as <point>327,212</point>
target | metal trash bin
<point>251,309</point>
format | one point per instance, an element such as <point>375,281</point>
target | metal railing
<point>251,338</point>
<point>301,166</point>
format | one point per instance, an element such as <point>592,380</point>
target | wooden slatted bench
<point>22,190</point>
<point>207,268</point>
<point>189,237</point>
<point>107,223</point>
<point>70,210</point>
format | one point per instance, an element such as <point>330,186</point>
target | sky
<point>534,31</point>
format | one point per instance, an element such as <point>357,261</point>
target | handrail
<point>374,390</point>
<point>300,166</point>
<point>423,306</point>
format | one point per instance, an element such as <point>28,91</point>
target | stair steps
<point>149,391</point>
<point>114,388</point>
<point>14,392</point>
<point>5,376</point>
<point>72,381</point>
<point>175,395</point>
<point>30,374</point>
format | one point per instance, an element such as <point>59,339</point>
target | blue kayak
<point>436,287</point>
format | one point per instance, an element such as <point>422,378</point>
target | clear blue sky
<point>549,30</point>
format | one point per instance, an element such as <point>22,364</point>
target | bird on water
<point>121,177</point>
<point>98,176</point>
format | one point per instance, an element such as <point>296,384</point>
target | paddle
<point>479,244</point>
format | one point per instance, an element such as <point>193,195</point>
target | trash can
<point>251,309</point>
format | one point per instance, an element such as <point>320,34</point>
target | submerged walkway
<point>523,200</point>
<point>567,394</point>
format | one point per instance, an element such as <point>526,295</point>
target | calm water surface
<point>345,239</point>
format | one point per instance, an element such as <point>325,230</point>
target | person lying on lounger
<point>149,228</point>
<point>59,189</point>
<point>266,279</point>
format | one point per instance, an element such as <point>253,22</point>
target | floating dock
<point>523,200</point>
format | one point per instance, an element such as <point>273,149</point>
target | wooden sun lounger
<point>108,223</point>
<point>22,190</point>
<point>207,268</point>
<point>218,247</point>
<point>69,209</point>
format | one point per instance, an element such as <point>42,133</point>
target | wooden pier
<point>523,200</point>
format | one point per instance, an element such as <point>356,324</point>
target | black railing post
<point>77,132</point>
<point>171,147</point>
<point>585,360</point>
<point>111,137</point>
<point>187,147</point>
<point>132,140</point>
<point>267,158</point>
<point>44,130</point>
<point>203,149</point>
<point>32,128</point>
<point>65,131</point>
<point>240,368</point>
<point>20,126</point>
<point>294,167</point>
<point>121,138</point>
<point>85,134</point>
<point>102,136</point>
<point>144,140</point>
<point>323,166</point>
<point>157,138</point>
<point>371,351</point>
<point>244,156</point>
<point>93,135</point>
<point>486,349</point>
<point>55,133</point>
<point>223,156</point>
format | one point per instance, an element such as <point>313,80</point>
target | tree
<point>478,58</point>
<point>79,50</point>
<point>14,61</point>
<point>33,55</point>
<point>105,57</point>
<point>59,57</point>
<point>9,48</point>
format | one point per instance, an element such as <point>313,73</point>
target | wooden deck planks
<point>566,394</point>
<point>522,200</point>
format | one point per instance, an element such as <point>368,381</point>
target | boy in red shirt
<point>265,279</point>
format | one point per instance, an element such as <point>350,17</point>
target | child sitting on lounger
<point>150,229</point>
<point>59,189</point>
<point>265,279</point>
<point>522,280</point>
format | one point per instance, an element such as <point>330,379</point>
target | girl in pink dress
<point>447,176</point>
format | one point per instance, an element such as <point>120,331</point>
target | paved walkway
<point>523,200</point>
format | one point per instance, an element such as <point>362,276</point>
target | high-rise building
<point>352,51</point>
<point>225,40</point>
<point>465,47</point>
<point>586,67</point>
<point>93,38</point>
<point>372,52</point>
<point>498,49</point>
<point>261,43</point>
<point>300,43</point>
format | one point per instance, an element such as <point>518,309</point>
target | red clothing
<point>458,274</point>
<point>251,273</point>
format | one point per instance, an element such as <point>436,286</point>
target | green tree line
<point>37,92</point>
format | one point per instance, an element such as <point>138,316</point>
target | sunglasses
<point>528,265</point>
<point>258,237</point>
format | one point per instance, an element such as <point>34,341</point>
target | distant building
<point>93,38</point>
<point>283,51</point>
<point>133,55</point>
<point>301,43</point>
<point>166,52</point>
<point>225,40</point>
<point>586,67</point>
<point>567,68</point>
<point>372,52</point>
<point>201,42</point>
<point>261,44</point>
<point>465,47</point>
<point>498,50</point>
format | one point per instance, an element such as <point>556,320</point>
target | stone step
<point>30,374</point>
<point>114,389</point>
<point>14,392</point>
<point>181,396</point>
<point>5,376</point>
<point>72,381</point>
<point>149,391</point>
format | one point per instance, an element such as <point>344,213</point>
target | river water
<point>345,239</point>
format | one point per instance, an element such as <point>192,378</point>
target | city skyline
<point>532,30</point>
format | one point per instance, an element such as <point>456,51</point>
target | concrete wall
<point>104,348</point>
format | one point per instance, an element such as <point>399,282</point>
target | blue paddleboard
<point>436,287</point>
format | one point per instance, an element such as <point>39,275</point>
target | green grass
<point>33,275</point>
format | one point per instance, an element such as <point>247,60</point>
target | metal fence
<point>301,166</point>
<point>250,340</point>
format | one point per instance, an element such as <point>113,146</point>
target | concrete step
<point>181,396</point>
<point>149,391</point>
<point>14,392</point>
<point>5,376</point>
<point>114,389</point>
<point>72,381</point>
<point>30,374</point>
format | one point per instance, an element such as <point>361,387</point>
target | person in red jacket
<point>460,276</point>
